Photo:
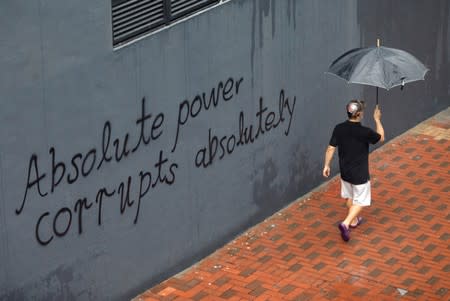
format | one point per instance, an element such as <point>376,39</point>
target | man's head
<point>355,109</point>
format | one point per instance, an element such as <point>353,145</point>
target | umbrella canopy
<point>378,66</point>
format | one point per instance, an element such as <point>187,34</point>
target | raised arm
<point>328,157</point>
<point>379,126</point>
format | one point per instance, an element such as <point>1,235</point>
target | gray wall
<point>96,229</point>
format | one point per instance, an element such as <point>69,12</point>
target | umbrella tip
<point>378,42</point>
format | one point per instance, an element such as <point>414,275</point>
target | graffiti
<point>128,194</point>
<point>191,109</point>
<point>267,121</point>
<point>48,226</point>
<point>83,164</point>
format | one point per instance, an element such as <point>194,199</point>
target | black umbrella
<point>378,66</point>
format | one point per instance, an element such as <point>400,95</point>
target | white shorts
<point>360,194</point>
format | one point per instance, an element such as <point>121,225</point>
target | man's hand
<point>328,156</point>
<point>377,114</point>
<point>326,171</point>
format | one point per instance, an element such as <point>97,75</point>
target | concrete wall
<point>113,172</point>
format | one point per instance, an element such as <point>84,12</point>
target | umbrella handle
<point>377,96</point>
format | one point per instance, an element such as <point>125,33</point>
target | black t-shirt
<point>352,140</point>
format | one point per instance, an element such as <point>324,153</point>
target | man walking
<point>352,140</point>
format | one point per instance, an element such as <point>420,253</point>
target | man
<point>352,140</point>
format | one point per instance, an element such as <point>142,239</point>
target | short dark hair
<point>354,107</point>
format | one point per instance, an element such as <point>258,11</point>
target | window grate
<point>181,8</point>
<point>133,18</point>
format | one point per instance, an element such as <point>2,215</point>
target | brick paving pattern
<point>400,252</point>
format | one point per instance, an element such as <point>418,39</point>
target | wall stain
<point>3,228</point>
<point>271,193</point>
<point>294,10</point>
<point>266,191</point>
<point>253,39</point>
<point>273,17</point>
<point>55,286</point>
<point>288,11</point>
<point>59,284</point>
<point>264,9</point>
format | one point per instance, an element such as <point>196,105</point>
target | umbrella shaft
<point>377,95</point>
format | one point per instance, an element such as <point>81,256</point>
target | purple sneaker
<point>345,232</point>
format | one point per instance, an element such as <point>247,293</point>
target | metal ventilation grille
<point>133,17</point>
<point>180,8</point>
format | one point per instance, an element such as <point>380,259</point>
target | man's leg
<point>362,198</point>
<point>349,205</point>
<point>352,215</point>
<point>344,227</point>
<point>357,196</point>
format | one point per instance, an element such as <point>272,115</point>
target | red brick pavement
<point>298,254</point>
